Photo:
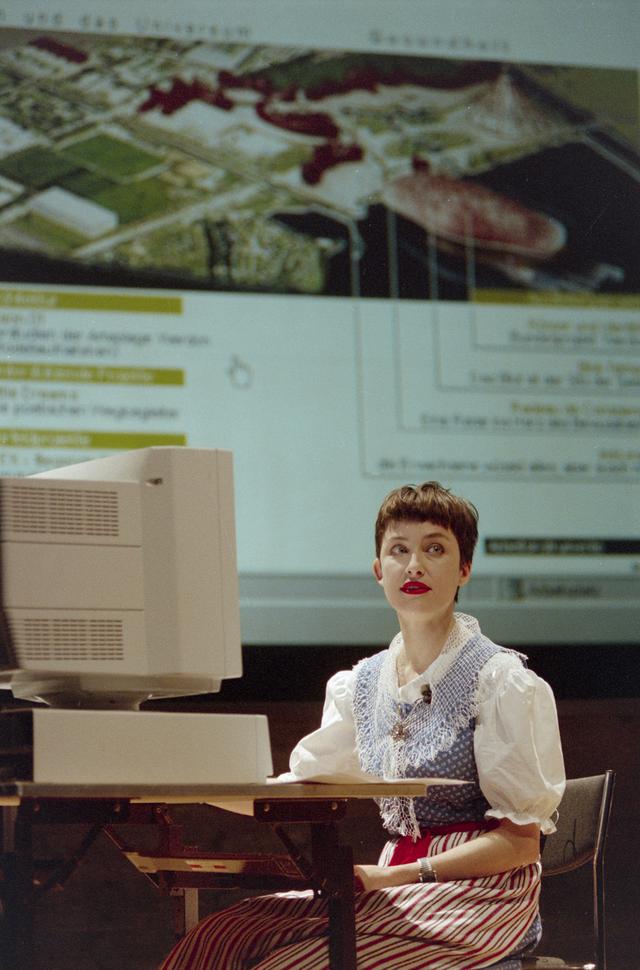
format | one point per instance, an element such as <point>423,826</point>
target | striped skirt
<point>457,925</point>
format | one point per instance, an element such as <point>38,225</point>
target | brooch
<point>398,731</point>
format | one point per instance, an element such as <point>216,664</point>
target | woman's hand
<point>383,877</point>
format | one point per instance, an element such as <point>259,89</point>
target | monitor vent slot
<point>67,640</point>
<point>61,511</point>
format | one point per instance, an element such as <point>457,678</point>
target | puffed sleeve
<point>517,744</point>
<point>331,749</point>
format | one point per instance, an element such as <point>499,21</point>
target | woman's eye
<point>435,547</point>
<point>398,549</point>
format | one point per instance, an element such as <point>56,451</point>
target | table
<point>320,806</point>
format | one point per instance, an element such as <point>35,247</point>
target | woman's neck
<point>422,643</point>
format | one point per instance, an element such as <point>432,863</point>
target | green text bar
<point>86,374</point>
<point>102,440</point>
<point>618,301</point>
<point>55,300</point>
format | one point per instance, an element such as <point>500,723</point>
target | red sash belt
<point>406,850</point>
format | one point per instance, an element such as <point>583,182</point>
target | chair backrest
<point>579,839</point>
<point>582,824</point>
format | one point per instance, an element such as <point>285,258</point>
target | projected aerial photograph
<point>165,163</point>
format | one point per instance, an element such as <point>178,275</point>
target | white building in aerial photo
<point>67,209</point>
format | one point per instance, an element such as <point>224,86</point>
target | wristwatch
<point>426,871</point>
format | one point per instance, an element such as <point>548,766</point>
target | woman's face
<point>419,567</point>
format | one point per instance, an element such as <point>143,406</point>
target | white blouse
<point>516,740</point>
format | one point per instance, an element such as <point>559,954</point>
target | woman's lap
<point>464,924</point>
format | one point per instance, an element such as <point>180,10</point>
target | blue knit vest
<point>434,739</point>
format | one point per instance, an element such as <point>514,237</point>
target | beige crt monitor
<point>118,585</point>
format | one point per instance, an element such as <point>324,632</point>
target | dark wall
<point>299,673</point>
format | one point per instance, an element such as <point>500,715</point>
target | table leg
<point>187,913</point>
<point>16,922</point>
<point>333,869</point>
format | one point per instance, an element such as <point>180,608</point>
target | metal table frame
<point>329,872</point>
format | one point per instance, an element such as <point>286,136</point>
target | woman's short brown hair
<point>431,502</point>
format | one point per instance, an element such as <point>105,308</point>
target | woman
<point>457,885</point>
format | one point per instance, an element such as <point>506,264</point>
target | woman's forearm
<point>508,846</point>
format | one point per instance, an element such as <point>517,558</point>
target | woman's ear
<point>465,574</point>
<point>377,570</point>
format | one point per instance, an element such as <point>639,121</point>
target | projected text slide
<point>506,394</point>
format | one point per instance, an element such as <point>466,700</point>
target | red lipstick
<point>414,588</point>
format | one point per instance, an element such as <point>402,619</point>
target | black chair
<point>578,841</point>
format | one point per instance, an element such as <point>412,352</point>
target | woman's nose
<point>414,566</point>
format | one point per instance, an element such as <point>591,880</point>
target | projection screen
<point>358,244</point>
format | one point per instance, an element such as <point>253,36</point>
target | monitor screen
<point>357,244</point>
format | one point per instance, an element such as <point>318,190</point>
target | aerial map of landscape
<point>156,162</point>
